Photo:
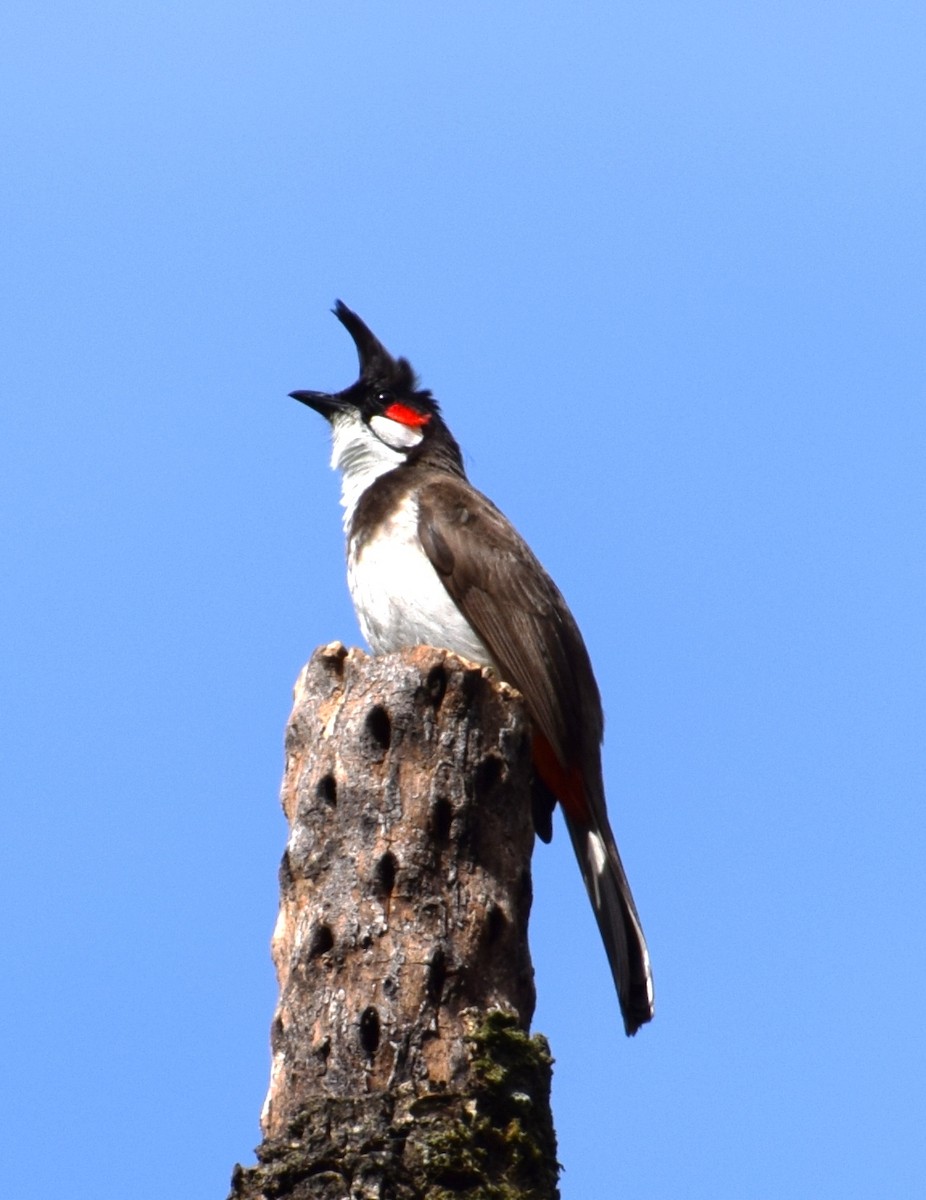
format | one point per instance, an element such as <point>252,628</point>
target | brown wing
<point>518,612</point>
<point>524,622</point>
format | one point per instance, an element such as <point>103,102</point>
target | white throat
<point>360,456</point>
<point>399,597</point>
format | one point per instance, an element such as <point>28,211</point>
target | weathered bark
<point>402,1065</point>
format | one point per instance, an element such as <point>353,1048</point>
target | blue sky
<point>663,265</point>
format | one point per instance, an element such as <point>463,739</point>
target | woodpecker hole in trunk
<point>437,973</point>
<point>495,924</point>
<point>327,790</point>
<point>378,728</point>
<point>369,1031</point>
<point>487,775</point>
<point>441,820</point>
<point>286,873</point>
<point>436,685</point>
<point>385,873</point>
<point>322,941</point>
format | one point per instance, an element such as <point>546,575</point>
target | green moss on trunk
<point>502,1146</point>
<point>494,1143</point>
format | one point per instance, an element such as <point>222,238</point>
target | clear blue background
<point>664,265</point>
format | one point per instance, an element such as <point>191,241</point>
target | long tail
<point>617,917</point>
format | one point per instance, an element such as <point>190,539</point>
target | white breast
<point>399,597</point>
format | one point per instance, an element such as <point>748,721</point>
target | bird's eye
<point>385,398</point>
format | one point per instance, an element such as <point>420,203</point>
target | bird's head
<point>384,420</point>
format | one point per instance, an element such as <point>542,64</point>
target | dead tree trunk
<point>402,1065</point>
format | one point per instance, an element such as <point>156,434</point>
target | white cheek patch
<point>395,434</point>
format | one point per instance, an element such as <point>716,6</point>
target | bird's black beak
<point>323,402</point>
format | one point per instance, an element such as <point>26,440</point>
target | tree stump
<point>402,1065</point>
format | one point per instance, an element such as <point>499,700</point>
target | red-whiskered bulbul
<point>431,561</point>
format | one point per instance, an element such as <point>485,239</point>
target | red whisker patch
<point>407,416</point>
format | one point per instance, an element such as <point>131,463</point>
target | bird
<point>432,561</point>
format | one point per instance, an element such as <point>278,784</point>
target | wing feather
<point>516,609</point>
<point>495,579</point>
